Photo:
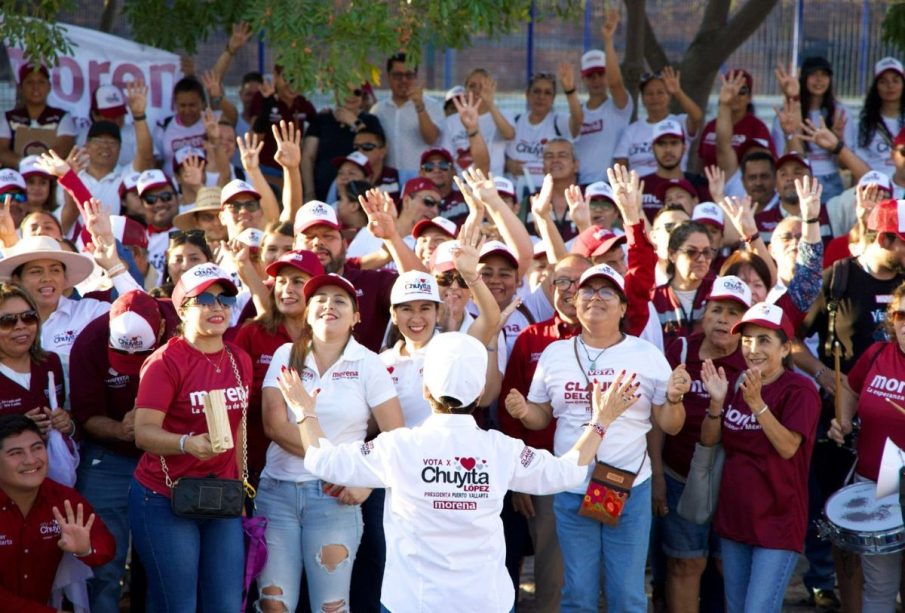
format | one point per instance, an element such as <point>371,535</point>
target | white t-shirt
<point>403,134</point>
<point>356,383</point>
<point>157,250</point>
<point>560,381</point>
<point>528,145</point>
<point>635,144</point>
<point>106,189</point>
<point>601,129</point>
<point>446,481</point>
<point>174,136</point>
<point>878,152</point>
<point>65,127</point>
<point>822,161</point>
<point>455,140</point>
<point>407,373</point>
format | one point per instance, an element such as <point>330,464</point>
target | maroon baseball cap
<point>751,143</point>
<point>683,184</point>
<point>749,80</point>
<point>596,241</point>
<point>315,283</point>
<point>790,157</point>
<point>418,184</point>
<point>357,158</point>
<point>134,326</point>
<point>769,316</point>
<point>303,260</point>
<point>436,151</point>
<point>28,68</point>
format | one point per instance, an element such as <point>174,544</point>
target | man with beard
<point>317,229</point>
<point>668,146</point>
<point>789,167</point>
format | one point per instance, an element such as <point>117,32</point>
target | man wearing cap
<point>420,203</point>
<point>317,229</point>
<point>109,104</point>
<point>603,117</point>
<point>668,146</point>
<point>450,475</point>
<point>12,184</point>
<point>410,120</point>
<point>876,136</point>
<point>437,166</point>
<point>106,358</point>
<point>562,166</point>
<point>33,90</point>
<point>204,215</point>
<point>602,206</point>
<point>161,205</point>
<point>790,167</point>
<point>841,209</point>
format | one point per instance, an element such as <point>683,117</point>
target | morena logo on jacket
<point>466,473</point>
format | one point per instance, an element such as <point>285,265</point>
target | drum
<point>857,521</point>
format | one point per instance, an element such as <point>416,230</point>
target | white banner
<point>101,59</point>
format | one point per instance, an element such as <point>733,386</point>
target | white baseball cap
<point>606,272</point>
<point>456,90</point>
<point>591,61</point>
<point>876,178</point>
<point>668,127</point>
<point>28,166</point>
<point>445,225</point>
<point>414,285</point>
<point>108,101</point>
<point>731,287</point>
<point>11,179</point>
<point>504,187</point>
<point>183,153</point>
<point>709,213</point>
<point>888,63</point>
<point>251,237</point>
<point>599,189</point>
<point>442,260</point>
<point>498,248</point>
<point>198,278</point>
<point>235,188</point>
<point>151,179</point>
<point>315,213</point>
<point>455,366</point>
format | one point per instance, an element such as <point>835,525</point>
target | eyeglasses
<point>365,146</point>
<point>399,76</point>
<point>429,202</point>
<point>151,199</point>
<point>601,203</point>
<point>20,197</point>
<point>179,235</point>
<point>605,293</point>
<point>252,206</point>
<point>694,254</point>
<point>208,300</point>
<point>445,279</point>
<point>564,283</point>
<point>429,166</point>
<point>8,321</point>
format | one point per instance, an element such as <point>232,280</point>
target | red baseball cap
<point>134,326</point>
<point>888,216</point>
<point>108,102</point>
<point>357,158</point>
<point>315,283</point>
<point>683,184</point>
<point>436,151</point>
<point>418,184</point>
<point>768,316</point>
<point>302,259</point>
<point>441,223</point>
<point>198,278</point>
<point>596,241</point>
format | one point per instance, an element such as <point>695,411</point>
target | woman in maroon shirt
<point>25,367</point>
<point>876,395</point>
<point>767,429</point>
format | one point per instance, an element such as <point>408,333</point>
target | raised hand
<point>542,202</point>
<point>628,192</point>
<point>566,73</point>
<point>608,29</point>
<point>377,205</point>
<point>732,82</point>
<point>211,125</point>
<point>297,398</point>
<point>193,171</point>
<point>714,381</point>
<point>840,119</point>
<point>75,532</point>
<point>739,212</point>
<point>820,135</point>
<point>671,80</point>
<point>579,208</point>
<point>482,185</point>
<point>416,93</point>
<point>511,308</point>
<point>7,224</point>
<point>866,198</point>
<point>467,108</point>
<point>789,115</point>
<point>250,147</point>
<point>618,397</point>
<point>97,222</point>
<point>78,159</point>
<point>716,182</point>
<point>466,252</point>
<point>488,92</point>
<point>241,34</point>
<point>472,201</point>
<point>788,80</point>
<point>751,385</point>
<point>211,82</point>
<point>137,97</point>
<point>288,139</point>
<point>53,164</point>
<point>809,191</point>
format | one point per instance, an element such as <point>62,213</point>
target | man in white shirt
<point>446,480</point>
<point>411,121</point>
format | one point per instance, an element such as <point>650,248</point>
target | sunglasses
<point>8,321</point>
<point>365,146</point>
<point>429,202</point>
<point>429,166</point>
<point>152,199</point>
<point>694,254</point>
<point>788,237</point>
<point>186,234</point>
<point>445,279</point>
<point>20,197</point>
<point>252,206</point>
<point>208,300</point>
<point>650,76</point>
<point>605,293</point>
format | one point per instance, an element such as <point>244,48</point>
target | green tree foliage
<point>894,25</point>
<point>31,26</point>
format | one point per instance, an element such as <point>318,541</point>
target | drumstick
<point>837,380</point>
<point>900,408</point>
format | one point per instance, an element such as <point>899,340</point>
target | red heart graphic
<point>390,369</point>
<point>467,463</point>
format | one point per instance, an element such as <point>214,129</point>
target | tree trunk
<point>633,59</point>
<point>108,16</point>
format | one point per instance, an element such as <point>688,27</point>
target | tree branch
<point>653,51</point>
<point>715,15</point>
<point>742,25</point>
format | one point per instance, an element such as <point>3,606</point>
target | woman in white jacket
<point>446,480</point>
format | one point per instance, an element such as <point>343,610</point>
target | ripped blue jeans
<point>302,521</point>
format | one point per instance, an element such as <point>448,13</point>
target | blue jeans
<point>621,549</point>
<point>756,578</point>
<point>104,478</point>
<point>367,572</point>
<point>302,520</point>
<point>192,565</point>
